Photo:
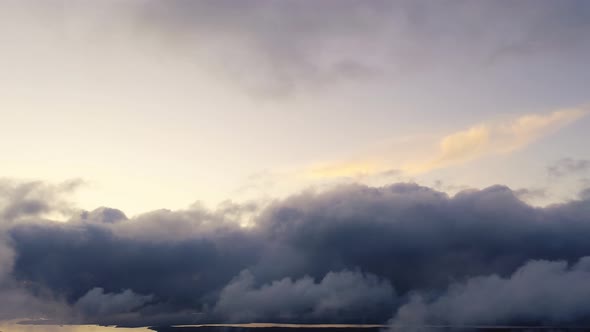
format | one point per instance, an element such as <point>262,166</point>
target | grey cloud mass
<point>32,199</point>
<point>530,193</point>
<point>540,292</point>
<point>280,47</point>
<point>350,254</point>
<point>568,166</point>
<point>339,295</point>
<point>97,303</point>
<point>294,44</point>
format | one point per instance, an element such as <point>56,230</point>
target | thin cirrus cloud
<point>478,141</point>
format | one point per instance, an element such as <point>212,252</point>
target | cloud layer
<point>278,48</point>
<point>299,45</point>
<point>539,292</point>
<point>337,296</point>
<point>352,254</point>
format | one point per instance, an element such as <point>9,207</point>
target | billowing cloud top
<point>158,103</point>
<point>351,254</point>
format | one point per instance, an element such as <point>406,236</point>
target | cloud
<point>496,138</point>
<point>527,194</point>
<point>568,166</point>
<point>284,47</point>
<point>585,194</point>
<point>335,256</point>
<point>33,199</point>
<point>97,303</point>
<point>19,203</point>
<point>347,170</point>
<point>280,48</point>
<point>547,292</point>
<point>338,295</point>
<point>478,141</point>
<point>103,215</point>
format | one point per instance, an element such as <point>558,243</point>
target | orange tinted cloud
<point>495,138</point>
<point>477,141</point>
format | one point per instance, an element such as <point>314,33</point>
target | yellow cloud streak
<point>350,169</point>
<point>495,138</point>
<point>475,142</point>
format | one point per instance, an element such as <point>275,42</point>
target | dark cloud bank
<point>354,254</point>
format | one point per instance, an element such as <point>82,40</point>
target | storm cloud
<point>97,303</point>
<point>539,292</point>
<point>339,295</point>
<point>156,100</point>
<point>350,254</point>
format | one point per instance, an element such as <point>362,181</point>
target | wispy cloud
<point>495,138</point>
<point>345,169</point>
<point>478,141</point>
<point>568,166</point>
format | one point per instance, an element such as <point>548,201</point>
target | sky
<point>159,105</point>
<point>175,156</point>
